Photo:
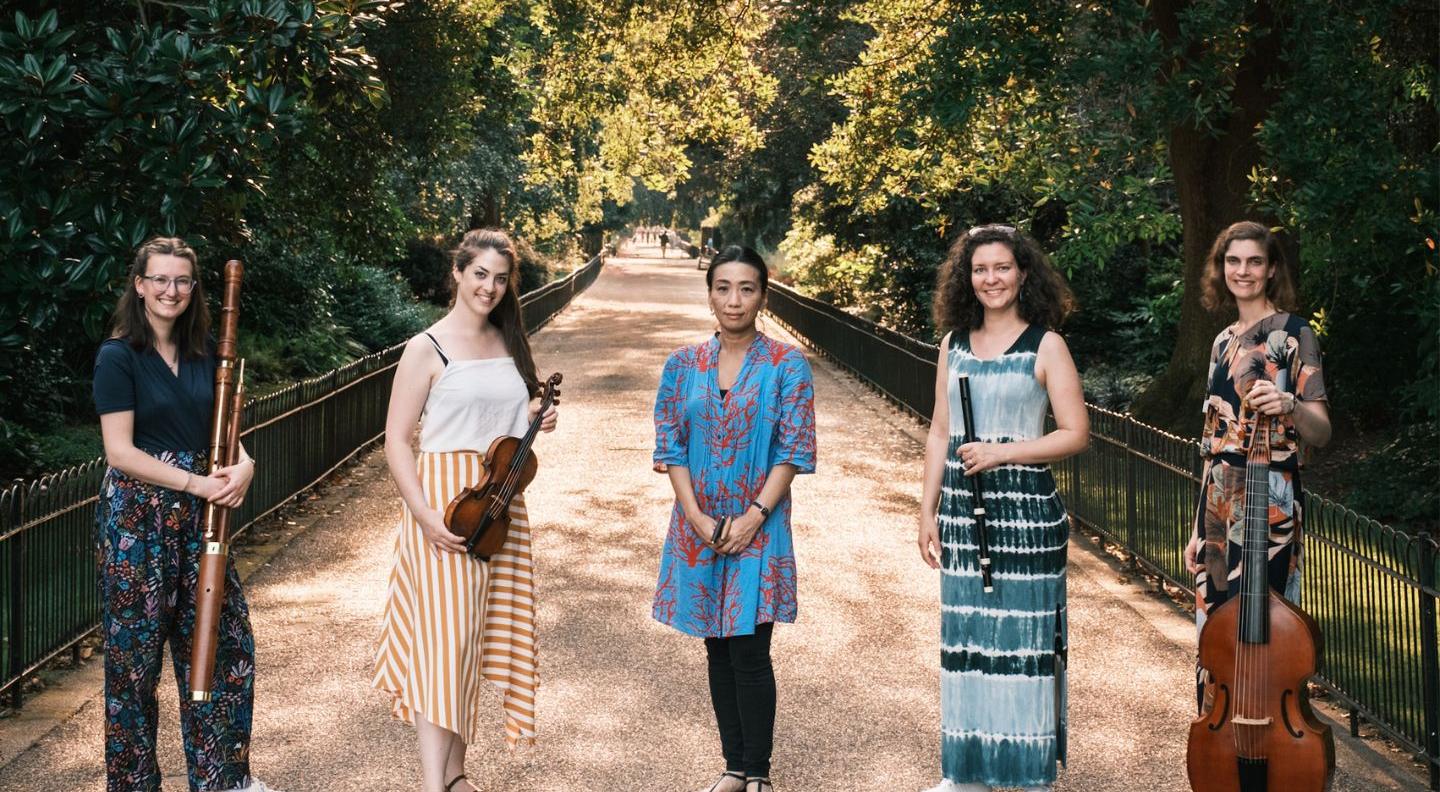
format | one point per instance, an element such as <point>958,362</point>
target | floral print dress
<point>1280,348</point>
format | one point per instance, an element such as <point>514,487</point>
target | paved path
<point>623,703</point>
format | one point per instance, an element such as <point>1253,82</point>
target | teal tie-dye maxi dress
<point>1002,682</point>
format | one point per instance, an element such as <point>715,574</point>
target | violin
<point>1257,732</point>
<point>480,514</point>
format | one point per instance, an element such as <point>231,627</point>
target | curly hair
<point>1280,289</point>
<point>1045,297</point>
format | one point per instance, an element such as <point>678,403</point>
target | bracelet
<point>757,504</point>
<point>186,487</point>
<point>1293,402</point>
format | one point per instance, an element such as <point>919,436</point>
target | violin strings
<point>1252,660</point>
<point>512,478</point>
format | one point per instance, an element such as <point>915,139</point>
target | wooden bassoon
<point>224,451</point>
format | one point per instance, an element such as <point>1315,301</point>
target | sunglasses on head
<point>1004,229</point>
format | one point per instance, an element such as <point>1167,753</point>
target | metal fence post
<point>1130,516</point>
<point>1430,657</point>
<point>17,592</point>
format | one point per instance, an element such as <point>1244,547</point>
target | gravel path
<point>623,701</point>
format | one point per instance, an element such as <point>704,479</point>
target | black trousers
<point>742,690</point>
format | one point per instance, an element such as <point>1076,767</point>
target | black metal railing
<point>1371,588</point>
<point>297,436</point>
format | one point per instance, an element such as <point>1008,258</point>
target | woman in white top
<point>452,621</point>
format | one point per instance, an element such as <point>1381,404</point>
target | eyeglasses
<point>1004,229</point>
<point>182,284</point>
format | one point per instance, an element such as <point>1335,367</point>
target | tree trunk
<point>1212,169</point>
<point>485,213</point>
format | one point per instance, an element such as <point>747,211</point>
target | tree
<point>1115,131</point>
<point>115,131</point>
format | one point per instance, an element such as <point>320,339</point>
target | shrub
<point>378,309</point>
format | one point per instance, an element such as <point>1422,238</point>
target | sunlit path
<point>623,701</point>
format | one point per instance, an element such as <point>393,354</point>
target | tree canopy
<point>339,146</point>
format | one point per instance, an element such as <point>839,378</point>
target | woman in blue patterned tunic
<point>154,389</point>
<point>1002,678</point>
<point>734,424</point>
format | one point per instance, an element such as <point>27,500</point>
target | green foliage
<point>116,131</point>
<point>1361,196</point>
<point>814,265</point>
<point>380,310</point>
<point>426,267</point>
<point>328,145</point>
<point>1059,118</point>
<point>1396,483</point>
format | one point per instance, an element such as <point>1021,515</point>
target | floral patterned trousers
<point>149,548</point>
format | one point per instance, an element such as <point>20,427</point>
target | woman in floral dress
<point>1265,366</point>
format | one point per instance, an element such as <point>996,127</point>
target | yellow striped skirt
<point>450,623</point>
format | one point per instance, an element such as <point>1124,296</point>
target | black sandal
<point>762,783</point>
<point>456,780</point>
<point>725,775</point>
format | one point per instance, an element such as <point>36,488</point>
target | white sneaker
<point>256,785</point>
<point>946,785</point>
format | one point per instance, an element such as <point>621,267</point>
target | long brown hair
<point>1279,289</point>
<point>192,328</point>
<point>1045,298</point>
<point>506,315</point>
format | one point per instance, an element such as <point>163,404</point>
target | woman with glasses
<point>1265,366</point>
<point>1002,679</point>
<point>452,621</point>
<point>154,392</point>
<point>734,424</point>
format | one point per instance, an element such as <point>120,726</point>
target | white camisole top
<point>472,403</point>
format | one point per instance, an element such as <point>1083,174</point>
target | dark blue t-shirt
<point>172,413</point>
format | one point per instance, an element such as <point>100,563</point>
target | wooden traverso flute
<point>224,451</point>
<point>982,533</point>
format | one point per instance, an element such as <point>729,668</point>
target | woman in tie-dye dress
<point>1002,678</point>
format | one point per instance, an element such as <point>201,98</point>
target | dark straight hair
<point>192,328</point>
<point>507,314</point>
<point>744,255</point>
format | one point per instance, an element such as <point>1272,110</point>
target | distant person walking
<point>664,242</point>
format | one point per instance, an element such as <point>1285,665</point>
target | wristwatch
<point>757,504</point>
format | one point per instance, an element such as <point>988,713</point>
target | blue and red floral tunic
<point>730,444</point>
